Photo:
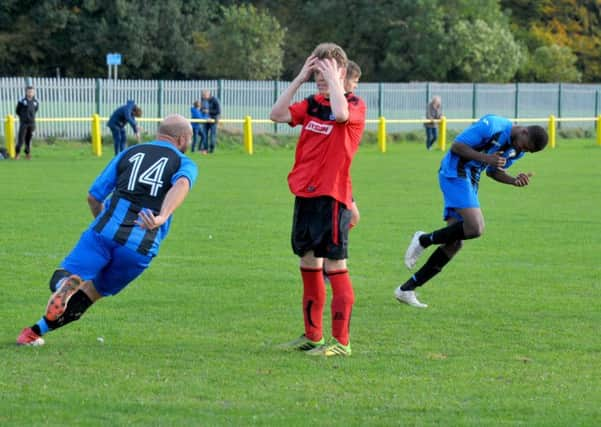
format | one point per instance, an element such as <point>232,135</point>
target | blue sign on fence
<point>113,59</point>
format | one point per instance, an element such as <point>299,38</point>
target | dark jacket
<point>26,109</point>
<point>123,115</point>
<point>211,106</point>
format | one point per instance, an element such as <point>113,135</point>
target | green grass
<point>511,336</point>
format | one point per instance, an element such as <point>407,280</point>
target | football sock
<point>314,298</point>
<point>76,307</point>
<point>41,327</point>
<point>431,268</point>
<point>449,234</point>
<point>343,299</point>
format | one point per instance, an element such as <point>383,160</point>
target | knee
<point>474,230</point>
<point>56,278</point>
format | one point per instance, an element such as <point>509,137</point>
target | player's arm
<point>463,150</point>
<point>174,197</point>
<point>279,111</point>
<point>331,73</point>
<point>501,175</point>
<point>95,205</point>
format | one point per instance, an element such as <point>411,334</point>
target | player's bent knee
<point>57,276</point>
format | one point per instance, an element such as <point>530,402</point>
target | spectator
<point>198,129</point>
<point>433,112</point>
<point>210,106</point>
<point>120,117</point>
<point>26,111</point>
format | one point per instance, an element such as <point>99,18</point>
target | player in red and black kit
<point>332,125</point>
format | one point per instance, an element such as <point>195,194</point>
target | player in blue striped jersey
<point>132,202</point>
<point>492,144</point>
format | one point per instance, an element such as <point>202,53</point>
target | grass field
<point>511,336</point>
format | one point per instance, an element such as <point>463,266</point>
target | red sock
<point>342,304</point>
<point>314,298</point>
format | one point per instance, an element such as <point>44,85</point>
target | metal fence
<point>68,97</point>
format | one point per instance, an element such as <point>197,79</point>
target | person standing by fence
<point>198,129</point>
<point>120,117</point>
<point>211,107</point>
<point>26,111</point>
<point>433,112</point>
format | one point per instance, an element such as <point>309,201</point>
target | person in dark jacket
<point>210,105</point>
<point>26,111</point>
<point>120,117</point>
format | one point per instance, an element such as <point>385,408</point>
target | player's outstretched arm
<point>279,111</point>
<point>175,197</point>
<point>521,180</point>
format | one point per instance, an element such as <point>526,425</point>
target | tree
<point>552,64</point>
<point>245,43</point>
<point>483,52</point>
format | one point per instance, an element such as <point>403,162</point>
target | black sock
<point>76,307</point>
<point>431,268</point>
<point>449,234</point>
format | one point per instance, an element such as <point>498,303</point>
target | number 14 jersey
<point>138,178</point>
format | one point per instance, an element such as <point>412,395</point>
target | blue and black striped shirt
<point>138,178</point>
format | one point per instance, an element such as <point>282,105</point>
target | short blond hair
<point>331,51</point>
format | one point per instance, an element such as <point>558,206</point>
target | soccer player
<point>493,144</point>
<point>121,116</point>
<point>351,82</point>
<point>332,125</point>
<point>132,202</point>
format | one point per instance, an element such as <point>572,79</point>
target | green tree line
<point>392,40</point>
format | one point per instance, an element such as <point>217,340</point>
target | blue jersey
<point>123,115</point>
<point>488,135</point>
<point>138,178</point>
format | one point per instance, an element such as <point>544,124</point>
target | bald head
<point>177,130</point>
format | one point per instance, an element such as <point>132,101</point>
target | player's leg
<point>334,247</point>
<point>440,257</point>
<point>73,295</point>
<point>311,267</point>
<point>460,202</point>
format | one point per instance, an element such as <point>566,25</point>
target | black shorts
<point>320,224</point>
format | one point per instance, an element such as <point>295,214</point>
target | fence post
<point>248,135</point>
<point>552,130</point>
<point>380,99</point>
<point>96,136</point>
<point>474,99</point>
<point>97,96</point>
<point>599,130</point>
<point>516,110</point>
<point>442,141</point>
<point>382,134</point>
<point>160,99</point>
<point>9,135</point>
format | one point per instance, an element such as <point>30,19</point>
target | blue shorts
<point>458,193</point>
<point>108,264</point>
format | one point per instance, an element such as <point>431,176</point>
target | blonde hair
<point>331,51</point>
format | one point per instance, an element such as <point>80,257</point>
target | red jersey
<point>325,148</point>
